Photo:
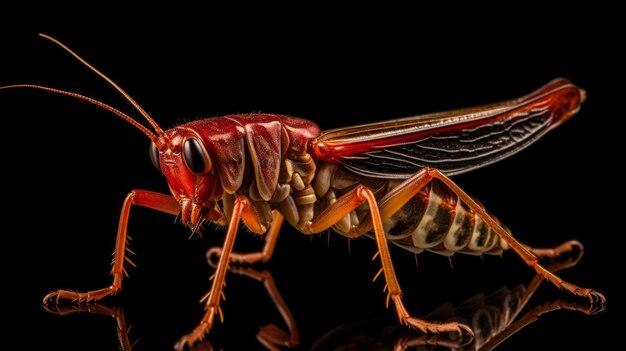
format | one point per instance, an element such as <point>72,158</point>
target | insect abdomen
<point>442,224</point>
<point>434,219</point>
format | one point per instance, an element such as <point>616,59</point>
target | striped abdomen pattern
<point>436,220</point>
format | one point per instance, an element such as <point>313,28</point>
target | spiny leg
<point>561,257</point>
<point>245,211</point>
<point>343,206</point>
<point>145,198</point>
<point>395,199</point>
<point>564,256</point>
<point>596,298</point>
<point>249,258</point>
<point>510,326</point>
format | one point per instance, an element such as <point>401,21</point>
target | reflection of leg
<point>250,258</point>
<point>244,210</point>
<point>346,204</point>
<point>405,343</point>
<point>270,335</point>
<point>145,198</point>
<point>561,257</point>
<point>532,316</point>
<point>118,314</point>
<point>526,254</point>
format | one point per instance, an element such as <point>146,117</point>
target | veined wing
<point>454,141</point>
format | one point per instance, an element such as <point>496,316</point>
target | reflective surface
<point>67,212</point>
<point>332,301</point>
<point>493,318</point>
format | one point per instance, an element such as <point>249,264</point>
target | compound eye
<point>154,156</point>
<point>196,157</point>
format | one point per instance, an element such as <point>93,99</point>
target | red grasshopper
<point>387,180</point>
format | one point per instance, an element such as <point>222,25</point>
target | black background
<point>70,165</point>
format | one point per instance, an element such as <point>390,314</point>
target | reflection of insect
<point>493,318</point>
<point>387,180</point>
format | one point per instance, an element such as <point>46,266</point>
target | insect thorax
<point>293,195</point>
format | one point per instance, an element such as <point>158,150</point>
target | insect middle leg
<point>249,258</point>
<point>346,204</point>
<point>145,198</point>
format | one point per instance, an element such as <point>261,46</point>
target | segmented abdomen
<point>436,220</point>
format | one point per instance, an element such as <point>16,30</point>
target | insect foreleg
<point>145,198</point>
<point>242,210</point>
<point>346,204</point>
<point>596,298</point>
<point>249,258</point>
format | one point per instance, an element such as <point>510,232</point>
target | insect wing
<point>453,142</point>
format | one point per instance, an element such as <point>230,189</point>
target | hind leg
<point>346,204</point>
<point>394,200</point>
<point>596,298</point>
<point>561,257</point>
